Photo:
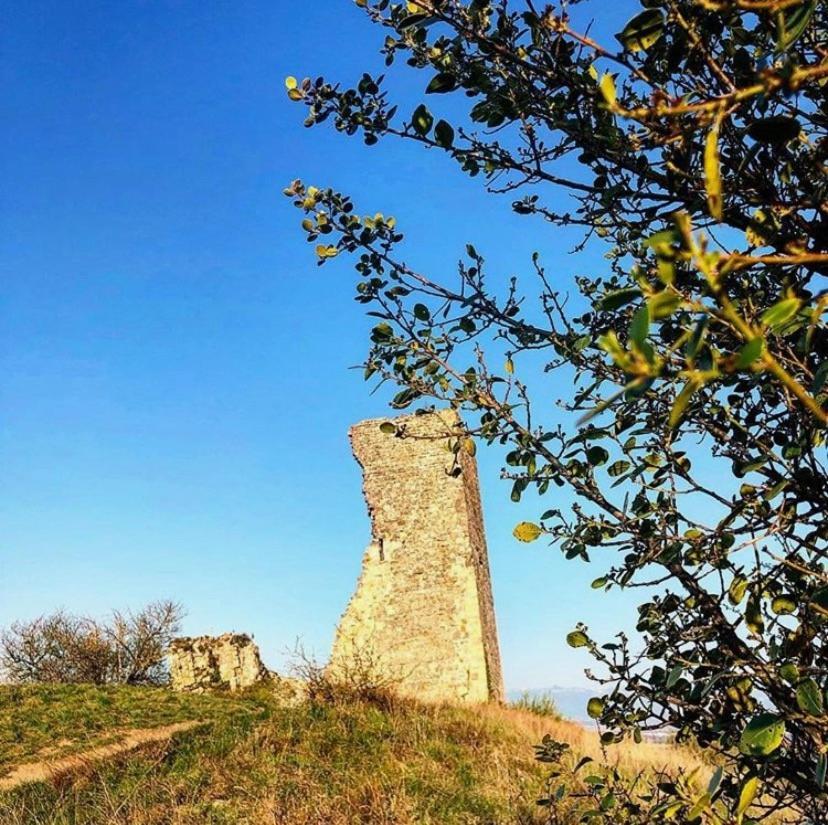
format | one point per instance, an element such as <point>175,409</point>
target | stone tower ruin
<point>422,615</point>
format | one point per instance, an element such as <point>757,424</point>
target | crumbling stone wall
<point>423,612</point>
<point>230,661</point>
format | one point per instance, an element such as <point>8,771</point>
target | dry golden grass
<point>627,756</point>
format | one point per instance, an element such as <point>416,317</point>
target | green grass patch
<point>56,720</point>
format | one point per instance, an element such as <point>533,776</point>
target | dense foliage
<point>694,146</point>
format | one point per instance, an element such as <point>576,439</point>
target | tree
<point>129,649</point>
<point>694,147</point>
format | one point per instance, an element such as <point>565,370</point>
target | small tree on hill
<point>130,648</point>
<point>694,145</point>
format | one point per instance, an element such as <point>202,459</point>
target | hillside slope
<point>343,761</point>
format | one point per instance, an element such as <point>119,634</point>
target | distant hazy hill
<point>571,702</point>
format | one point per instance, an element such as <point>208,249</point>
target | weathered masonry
<point>422,615</point>
<point>230,661</point>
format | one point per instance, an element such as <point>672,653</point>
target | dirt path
<point>50,768</point>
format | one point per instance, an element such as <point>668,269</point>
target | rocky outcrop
<point>229,662</point>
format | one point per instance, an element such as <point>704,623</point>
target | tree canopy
<point>694,146</point>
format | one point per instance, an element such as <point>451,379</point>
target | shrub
<point>128,648</point>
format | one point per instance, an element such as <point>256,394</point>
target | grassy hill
<point>256,762</point>
<point>249,761</point>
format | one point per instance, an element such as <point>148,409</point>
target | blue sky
<point>175,389</point>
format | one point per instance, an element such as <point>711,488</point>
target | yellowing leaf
<point>642,31</point>
<point>752,233</point>
<point>527,531</point>
<point>681,402</point>
<point>607,86</point>
<point>290,82</point>
<point>712,172</point>
<point>577,638</point>
<point>754,619</point>
<point>326,251</point>
<point>702,804</point>
<point>747,795</point>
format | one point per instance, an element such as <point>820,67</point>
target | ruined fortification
<point>422,613</point>
<point>230,661</point>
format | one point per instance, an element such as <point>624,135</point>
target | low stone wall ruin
<point>229,662</point>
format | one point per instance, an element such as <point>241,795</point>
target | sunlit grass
<point>374,760</point>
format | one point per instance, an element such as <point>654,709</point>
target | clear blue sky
<point>174,369</point>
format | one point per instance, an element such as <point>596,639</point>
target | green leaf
<point>819,774</point>
<point>662,242</point>
<point>691,349</point>
<point>581,343</point>
<point>411,20</point>
<point>749,353</point>
<point>793,24</point>
<point>674,675</point>
<point>663,304</point>
<point>619,298</point>
<point>640,325</point>
<point>444,134</point>
<point>715,780</point>
<point>618,468</point>
<point>820,600</point>
<point>381,333</point>
<point>789,672</point>
<point>422,120</point>
<point>421,312</point>
<point>597,456</point>
<point>781,312</point>
<point>642,31</point>
<point>820,376</point>
<point>388,428</point>
<point>776,130</point>
<point>443,82</point>
<point>527,531</point>
<point>577,638</point>
<point>809,698</point>
<point>595,707</point>
<point>762,735</point>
